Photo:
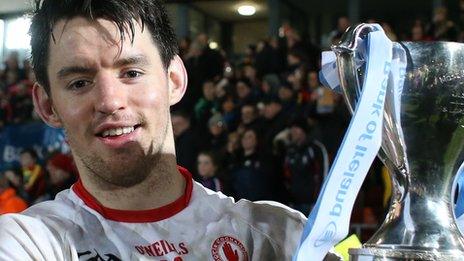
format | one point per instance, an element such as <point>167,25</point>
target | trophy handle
<point>351,68</point>
<point>346,50</point>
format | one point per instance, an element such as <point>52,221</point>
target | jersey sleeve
<point>27,238</point>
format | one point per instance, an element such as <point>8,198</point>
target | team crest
<point>227,248</point>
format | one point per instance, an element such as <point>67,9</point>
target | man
<point>186,142</point>
<point>107,73</point>
<point>305,166</point>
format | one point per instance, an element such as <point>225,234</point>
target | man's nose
<point>111,96</point>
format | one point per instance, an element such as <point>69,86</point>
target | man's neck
<point>164,185</point>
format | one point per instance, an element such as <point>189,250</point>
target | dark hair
<point>300,123</point>
<point>123,13</point>
<point>181,113</point>
<point>31,152</point>
<point>211,155</point>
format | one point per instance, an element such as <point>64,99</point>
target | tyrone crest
<point>227,248</point>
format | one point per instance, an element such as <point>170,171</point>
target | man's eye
<point>132,74</point>
<point>79,84</point>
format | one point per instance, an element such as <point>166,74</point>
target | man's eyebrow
<point>132,60</point>
<point>68,70</point>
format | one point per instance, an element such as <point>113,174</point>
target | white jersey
<point>201,225</point>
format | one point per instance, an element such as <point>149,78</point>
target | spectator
<point>250,54</point>
<point>33,174</point>
<point>218,134</point>
<point>253,173</point>
<point>185,140</point>
<point>418,32</point>
<point>287,97</point>
<point>274,122</point>
<point>322,97</point>
<point>268,59</point>
<point>441,27</point>
<point>9,201</point>
<point>326,114</point>
<point>230,113</point>
<point>16,181</point>
<point>244,92</point>
<point>250,119</point>
<point>11,73</point>
<point>250,74</point>
<point>232,151</point>
<point>461,20</point>
<point>184,46</point>
<point>6,112</point>
<point>62,173</point>
<point>343,22</point>
<point>206,105</point>
<point>203,63</point>
<point>306,164</point>
<point>389,32</point>
<point>21,102</point>
<point>207,170</point>
<point>269,86</point>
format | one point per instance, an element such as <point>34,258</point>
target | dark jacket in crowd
<point>304,171</point>
<point>187,150</point>
<point>252,178</point>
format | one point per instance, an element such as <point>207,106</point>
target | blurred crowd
<point>260,127</point>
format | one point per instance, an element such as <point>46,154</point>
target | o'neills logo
<point>161,248</point>
<point>227,248</point>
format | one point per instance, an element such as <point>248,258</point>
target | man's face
<point>208,91</point>
<point>271,110</point>
<point>249,140</point>
<point>216,129</point>
<point>113,102</point>
<point>248,114</point>
<point>242,90</point>
<point>297,135</point>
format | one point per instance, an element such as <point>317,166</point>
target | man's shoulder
<point>274,226</point>
<point>279,210</point>
<point>271,218</point>
<point>26,237</point>
<point>258,214</point>
<point>61,206</point>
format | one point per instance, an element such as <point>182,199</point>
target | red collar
<point>138,216</point>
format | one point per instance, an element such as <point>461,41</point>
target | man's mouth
<point>119,131</point>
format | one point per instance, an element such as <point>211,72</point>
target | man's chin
<point>123,175</point>
<point>121,169</point>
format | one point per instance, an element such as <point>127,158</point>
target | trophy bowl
<point>422,147</point>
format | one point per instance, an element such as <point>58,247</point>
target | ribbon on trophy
<point>328,222</point>
<point>459,208</point>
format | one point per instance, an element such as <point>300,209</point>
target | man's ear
<point>44,107</point>
<point>177,80</point>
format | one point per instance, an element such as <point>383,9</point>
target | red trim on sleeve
<point>138,216</point>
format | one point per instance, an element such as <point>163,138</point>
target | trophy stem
<point>408,234</point>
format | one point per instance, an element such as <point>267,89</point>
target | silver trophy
<point>422,146</point>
